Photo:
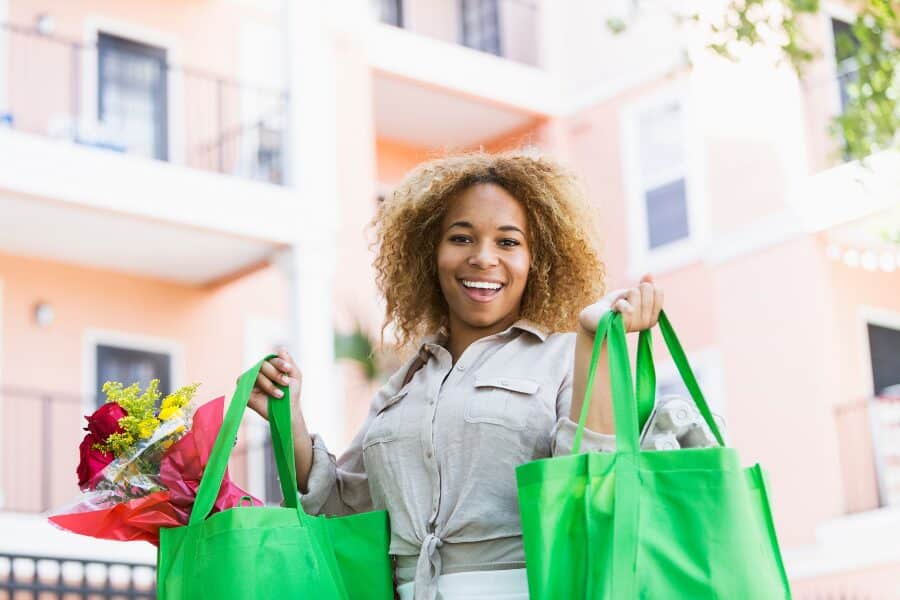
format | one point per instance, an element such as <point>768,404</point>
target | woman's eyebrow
<point>461,224</point>
<point>468,225</point>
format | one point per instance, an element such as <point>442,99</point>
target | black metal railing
<point>40,432</point>
<point>39,436</point>
<point>185,115</point>
<point>49,577</point>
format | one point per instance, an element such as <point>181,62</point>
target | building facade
<point>182,190</point>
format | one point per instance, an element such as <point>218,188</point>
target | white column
<point>311,170</point>
<point>4,58</point>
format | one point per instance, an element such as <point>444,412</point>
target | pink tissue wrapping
<point>181,469</point>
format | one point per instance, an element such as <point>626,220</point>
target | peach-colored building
<point>185,186</point>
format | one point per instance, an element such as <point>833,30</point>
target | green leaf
<point>357,346</point>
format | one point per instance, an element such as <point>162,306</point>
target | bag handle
<point>646,378</point>
<point>625,406</point>
<point>282,444</point>
<point>679,357</point>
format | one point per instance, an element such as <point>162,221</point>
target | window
<point>132,95</point>
<point>662,169</point>
<point>481,25</point>
<point>269,155</point>
<point>132,366</point>
<point>844,48</point>
<point>884,349</point>
<point>390,11</point>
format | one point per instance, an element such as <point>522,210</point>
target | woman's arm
<point>284,371</point>
<point>600,414</point>
<point>640,308</point>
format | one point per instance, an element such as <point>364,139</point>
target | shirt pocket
<point>502,400</point>
<point>385,426</point>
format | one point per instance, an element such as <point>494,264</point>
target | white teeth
<point>482,285</point>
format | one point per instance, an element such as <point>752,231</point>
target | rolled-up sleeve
<point>562,437</point>
<point>333,490</point>
<point>341,486</point>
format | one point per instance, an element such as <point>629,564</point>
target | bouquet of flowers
<point>141,464</point>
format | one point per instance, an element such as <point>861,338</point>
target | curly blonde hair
<point>566,272</point>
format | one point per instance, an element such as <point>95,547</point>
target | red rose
<point>92,461</point>
<point>105,421</point>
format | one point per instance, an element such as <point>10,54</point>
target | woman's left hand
<point>639,306</point>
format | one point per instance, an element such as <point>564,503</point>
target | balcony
<point>505,28</point>
<point>475,63</point>
<point>152,164</point>
<point>126,97</point>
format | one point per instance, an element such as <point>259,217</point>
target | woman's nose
<point>483,256</point>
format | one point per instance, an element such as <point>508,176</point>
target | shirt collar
<point>440,338</point>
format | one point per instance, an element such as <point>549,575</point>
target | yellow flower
<point>147,427</point>
<point>169,412</point>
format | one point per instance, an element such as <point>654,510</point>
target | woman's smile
<point>481,290</point>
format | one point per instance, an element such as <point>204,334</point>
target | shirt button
<point>428,454</point>
<point>431,402</point>
<point>461,367</point>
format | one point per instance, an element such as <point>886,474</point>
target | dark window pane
<point>843,49</point>
<point>667,219</point>
<point>132,95</point>
<point>390,12</point>
<point>845,44</point>
<point>884,347</point>
<point>481,25</point>
<point>132,366</point>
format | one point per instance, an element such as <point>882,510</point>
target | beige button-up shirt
<point>440,453</point>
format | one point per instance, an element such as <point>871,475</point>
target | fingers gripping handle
<point>282,442</point>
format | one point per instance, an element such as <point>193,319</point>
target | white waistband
<point>508,584</point>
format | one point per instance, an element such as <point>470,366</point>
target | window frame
<point>878,317</point>
<point>400,12</point>
<point>834,12</point>
<point>175,106</point>
<point>464,30</point>
<point>642,258</point>
<point>166,381</point>
<point>97,337</point>
<point>109,42</point>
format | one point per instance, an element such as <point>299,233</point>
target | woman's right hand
<point>276,372</point>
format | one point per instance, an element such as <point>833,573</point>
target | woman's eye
<point>459,238</point>
<point>508,242</point>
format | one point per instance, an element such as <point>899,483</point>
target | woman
<point>492,259</point>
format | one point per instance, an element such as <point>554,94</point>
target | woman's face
<point>483,259</point>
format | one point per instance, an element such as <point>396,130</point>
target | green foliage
<point>357,346</point>
<point>868,59</point>
<point>871,118</point>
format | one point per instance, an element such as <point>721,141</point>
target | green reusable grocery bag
<point>663,524</point>
<point>271,552</point>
